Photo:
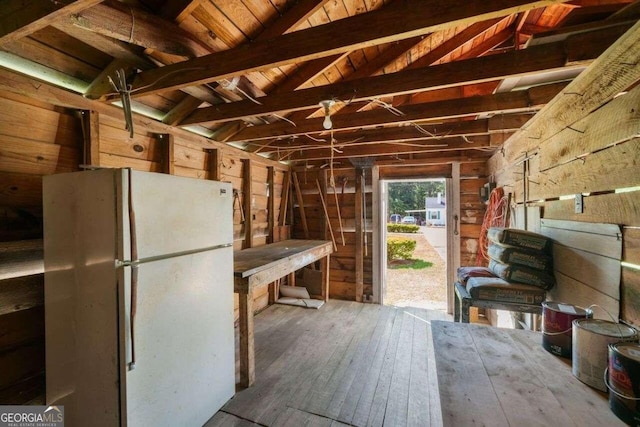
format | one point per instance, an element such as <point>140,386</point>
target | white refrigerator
<point>138,297</point>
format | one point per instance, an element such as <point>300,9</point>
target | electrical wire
<point>494,216</point>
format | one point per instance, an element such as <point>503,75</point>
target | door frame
<point>452,186</point>
<point>452,197</point>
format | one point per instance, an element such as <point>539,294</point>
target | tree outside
<point>405,196</point>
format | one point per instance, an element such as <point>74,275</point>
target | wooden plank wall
<point>35,139</point>
<point>598,157</point>
<point>586,264</point>
<point>343,273</point>
<point>343,261</point>
<point>38,139</point>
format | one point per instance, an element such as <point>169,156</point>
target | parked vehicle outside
<point>408,220</point>
<point>395,218</point>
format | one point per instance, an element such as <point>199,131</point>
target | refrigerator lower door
<point>183,342</point>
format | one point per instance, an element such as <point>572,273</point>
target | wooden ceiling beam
<point>561,34</point>
<point>453,43</point>
<point>133,25</point>
<point>130,54</point>
<point>613,72</point>
<point>292,18</point>
<point>307,72</point>
<point>486,46</point>
<point>437,148</point>
<point>115,48</point>
<point>19,18</point>
<point>286,22</point>
<point>522,100</point>
<point>390,54</point>
<point>380,26</point>
<point>423,132</point>
<point>440,52</point>
<point>535,59</point>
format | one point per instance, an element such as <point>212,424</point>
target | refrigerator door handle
<point>132,315</point>
<point>134,274</point>
<point>134,262</point>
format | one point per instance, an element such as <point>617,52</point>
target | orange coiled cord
<point>494,216</point>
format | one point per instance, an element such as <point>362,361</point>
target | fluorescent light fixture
<point>629,265</point>
<point>627,189</point>
<point>143,110</point>
<point>200,130</point>
<point>41,72</point>
<point>236,145</point>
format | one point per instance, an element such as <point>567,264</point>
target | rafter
<point>115,48</point>
<point>377,27</point>
<point>492,42</point>
<point>523,100</point>
<point>421,132</point>
<point>290,20</point>
<point>439,52</point>
<point>453,43</point>
<point>539,58</point>
<point>437,148</point>
<point>133,25</point>
<point>19,18</point>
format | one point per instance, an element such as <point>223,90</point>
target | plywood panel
<point>601,239</point>
<point>598,272</point>
<point>586,263</point>
<point>572,291</point>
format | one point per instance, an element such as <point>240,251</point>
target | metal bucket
<point>623,381</point>
<point>557,318</point>
<point>591,338</point>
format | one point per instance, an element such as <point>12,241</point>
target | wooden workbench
<point>503,377</point>
<point>261,265</point>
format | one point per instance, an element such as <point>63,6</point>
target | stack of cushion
<point>520,270</point>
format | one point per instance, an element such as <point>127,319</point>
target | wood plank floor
<point>347,364</point>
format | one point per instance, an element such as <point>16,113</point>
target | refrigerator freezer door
<point>173,214</point>
<point>80,290</point>
<point>184,342</point>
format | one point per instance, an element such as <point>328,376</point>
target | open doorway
<point>415,235</point>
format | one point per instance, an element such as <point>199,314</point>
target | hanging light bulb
<point>327,122</point>
<point>327,104</point>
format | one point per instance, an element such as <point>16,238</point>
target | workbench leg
<point>325,265</point>
<point>273,295</point>
<point>247,355</point>
<point>465,306</point>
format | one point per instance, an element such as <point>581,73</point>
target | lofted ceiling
<point>409,79</point>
